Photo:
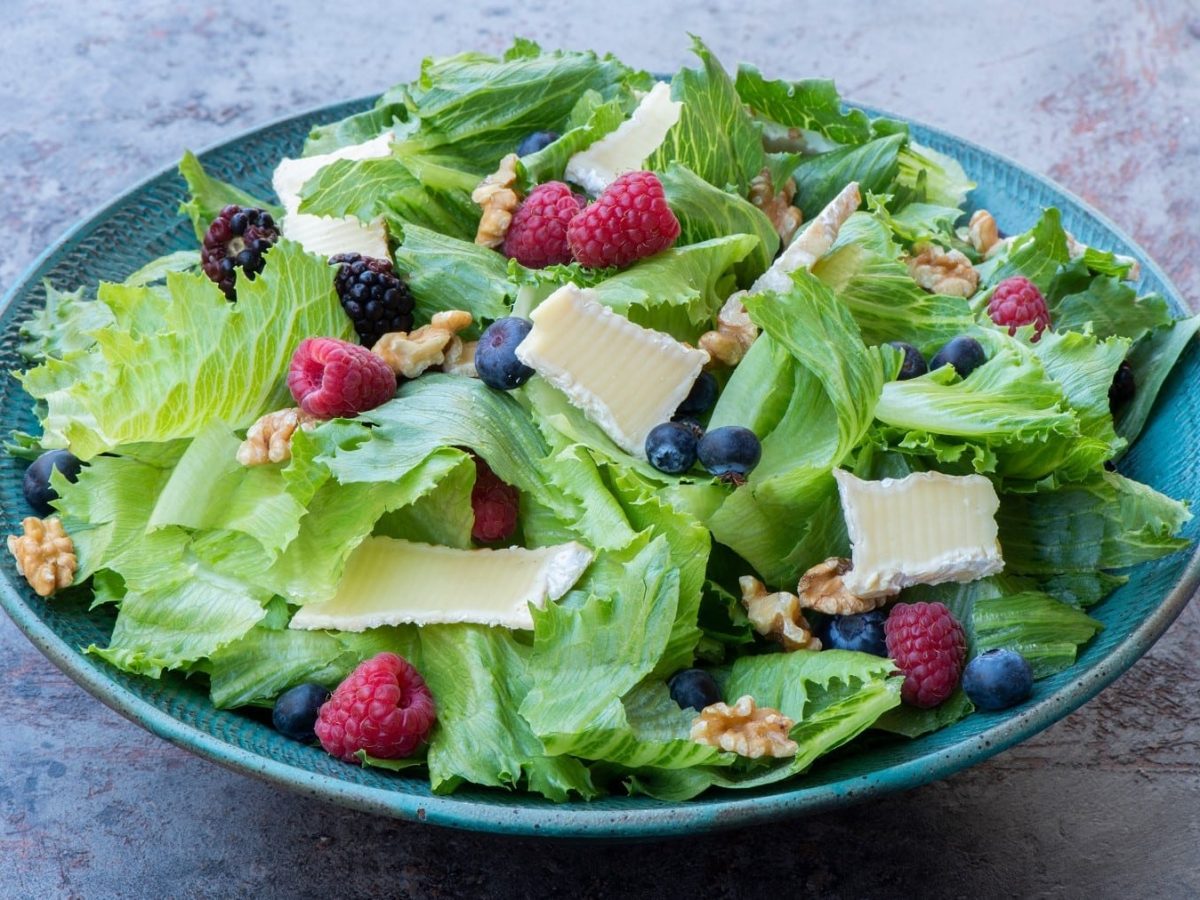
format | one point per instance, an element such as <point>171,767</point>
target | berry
<point>929,647</point>
<point>998,679</point>
<point>295,711</point>
<point>1016,301</point>
<point>539,140</point>
<point>693,689</point>
<point>376,301</point>
<point>38,492</point>
<point>495,504</point>
<point>629,221</point>
<point>537,235</point>
<point>964,353</point>
<point>331,378</point>
<point>701,398</point>
<point>237,239</point>
<point>914,364</point>
<point>671,447</point>
<point>383,707</point>
<point>729,453</point>
<point>863,632</point>
<point>690,424</point>
<point>496,354</point>
<point>1123,387</point>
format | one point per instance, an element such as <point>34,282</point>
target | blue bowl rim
<point>578,820</point>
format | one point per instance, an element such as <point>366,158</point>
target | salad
<point>557,429</point>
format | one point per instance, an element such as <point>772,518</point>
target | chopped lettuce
<point>446,273</point>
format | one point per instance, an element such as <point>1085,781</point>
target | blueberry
<point>38,491</point>
<point>532,143</point>
<point>671,447</point>
<point>998,679</point>
<point>295,711</point>
<point>729,452</point>
<point>863,632</point>
<point>693,689</point>
<point>1123,387</point>
<point>496,354</point>
<point>964,353</point>
<point>914,363</point>
<point>701,398</point>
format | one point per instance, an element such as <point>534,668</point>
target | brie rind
<point>396,582</point>
<point>623,377</point>
<point>927,528</point>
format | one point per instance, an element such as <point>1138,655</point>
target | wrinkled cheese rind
<point>626,149</point>
<point>328,235</point>
<point>624,377</point>
<point>396,582</point>
<point>927,528</point>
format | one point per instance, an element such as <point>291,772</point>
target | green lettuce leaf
<point>1046,631</point>
<point>1152,359</point>
<point>446,273</point>
<point>811,104</point>
<point>549,163</point>
<point>63,326</point>
<point>1108,307</point>
<point>874,165</point>
<point>356,129</point>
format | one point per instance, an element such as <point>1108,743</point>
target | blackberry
<point>376,301</point>
<point>237,239</point>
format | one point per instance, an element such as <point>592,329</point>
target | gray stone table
<point>1102,96</point>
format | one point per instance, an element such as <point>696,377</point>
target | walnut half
<point>269,440</point>
<point>745,729</point>
<point>777,205</point>
<point>499,200</point>
<point>982,231</point>
<point>777,616</point>
<point>45,554</point>
<point>459,358</point>
<point>734,334</point>
<point>943,271</point>
<point>410,354</point>
<point>821,588</point>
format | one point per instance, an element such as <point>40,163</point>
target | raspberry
<point>629,221</point>
<point>929,646</point>
<point>383,707</point>
<point>237,239</point>
<point>1016,301</point>
<point>376,301</point>
<point>495,505</point>
<point>331,378</point>
<point>537,236</point>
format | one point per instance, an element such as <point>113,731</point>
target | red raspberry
<point>383,707</point>
<point>629,221</point>
<point>930,648</point>
<point>331,378</point>
<point>1016,301</point>
<point>537,236</point>
<point>495,504</point>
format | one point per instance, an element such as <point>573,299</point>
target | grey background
<point>1099,96</point>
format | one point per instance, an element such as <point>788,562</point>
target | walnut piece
<point>44,554</point>
<point>943,271</point>
<point>410,354</point>
<point>821,588</point>
<point>777,205</point>
<point>269,440</point>
<point>777,616</point>
<point>982,231</point>
<point>459,358</point>
<point>734,333</point>
<point>499,200</point>
<point>745,729</point>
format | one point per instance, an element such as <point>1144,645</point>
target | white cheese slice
<point>328,235</point>
<point>625,149</point>
<point>624,377</point>
<point>927,528</point>
<point>395,582</point>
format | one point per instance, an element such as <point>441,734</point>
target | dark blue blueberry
<point>532,143</point>
<point>863,633</point>
<point>914,363</point>
<point>693,689</point>
<point>671,447</point>
<point>496,354</point>
<point>1123,387</point>
<point>729,452</point>
<point>964,353</point>
<point>38,492</point>
<point>998,679</point>
<point>295,711</point>
<point>701,398</point>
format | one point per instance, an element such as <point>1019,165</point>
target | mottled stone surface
<point>94,94</point>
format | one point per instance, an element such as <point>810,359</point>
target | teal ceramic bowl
<point>144,224</point>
